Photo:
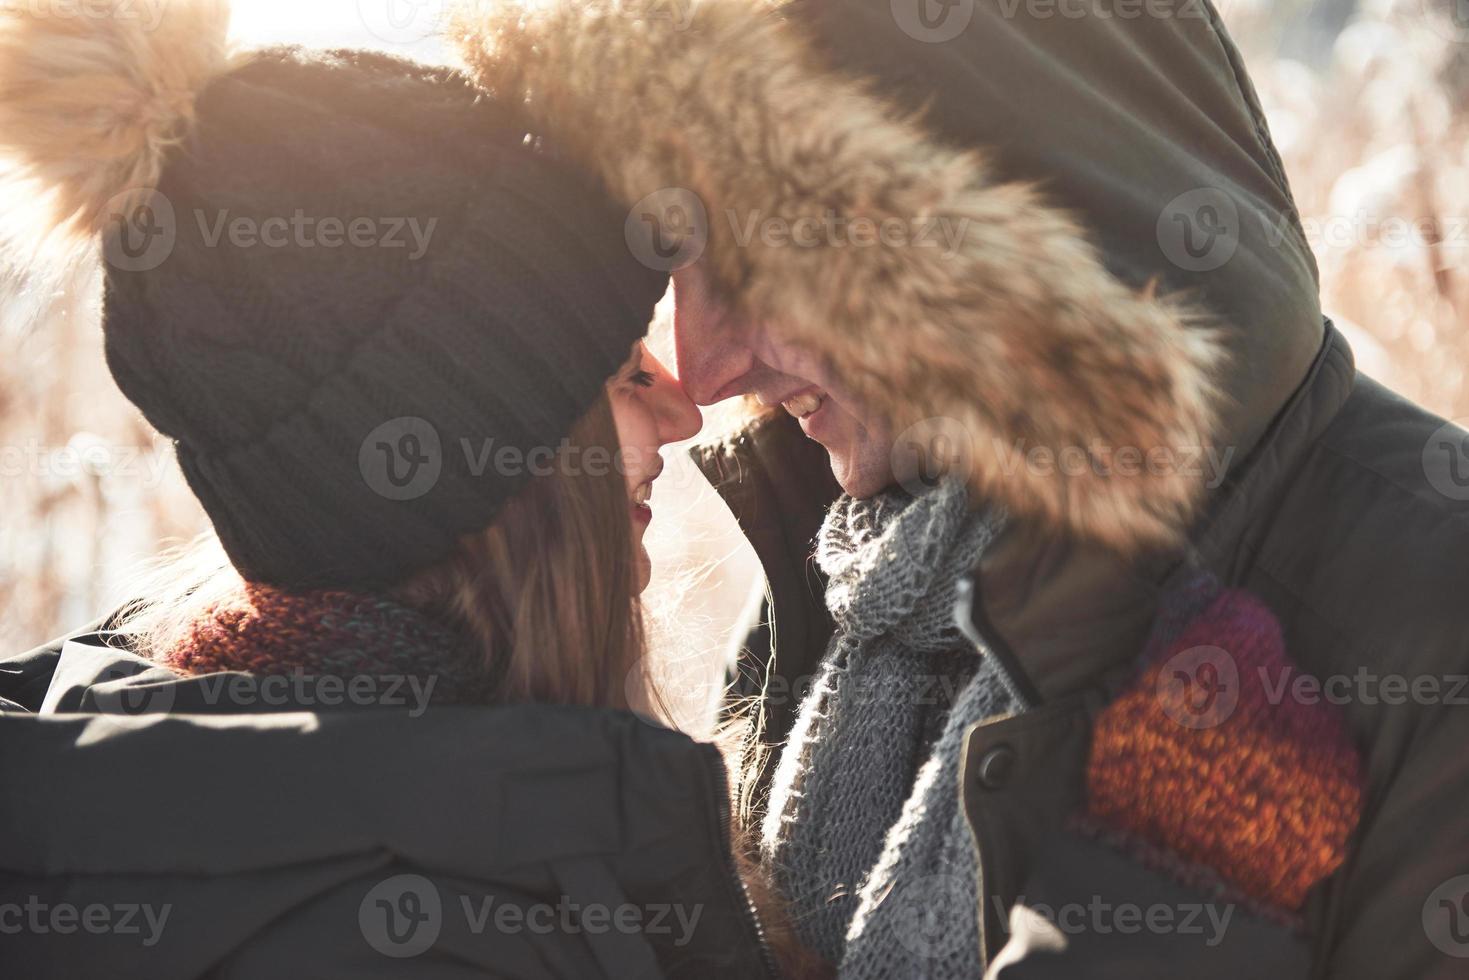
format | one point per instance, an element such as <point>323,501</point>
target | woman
<point>429,470</point>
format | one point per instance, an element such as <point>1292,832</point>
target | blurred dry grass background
<point>1367,100</point>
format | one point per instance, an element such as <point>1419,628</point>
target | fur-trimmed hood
<point>1015,329</point>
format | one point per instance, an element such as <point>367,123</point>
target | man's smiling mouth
<point>805,404</point>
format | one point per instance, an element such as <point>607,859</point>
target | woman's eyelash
<point>643,378</point>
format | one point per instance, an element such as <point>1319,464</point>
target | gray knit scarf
<point>864,831</point>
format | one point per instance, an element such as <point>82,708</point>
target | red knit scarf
<point>259,629</point>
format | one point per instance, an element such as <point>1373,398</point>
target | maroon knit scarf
<point>259,629</point>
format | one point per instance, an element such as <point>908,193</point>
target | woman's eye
<point>643,378</point>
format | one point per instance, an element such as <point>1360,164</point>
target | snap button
<point>996,767</point>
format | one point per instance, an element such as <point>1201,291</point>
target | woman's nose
<point>678,417</point>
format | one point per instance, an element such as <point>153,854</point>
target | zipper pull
<point>964,618</point>
<point>964,613</point>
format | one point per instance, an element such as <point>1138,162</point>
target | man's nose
<point>678,417</point>
<point>712,360</point>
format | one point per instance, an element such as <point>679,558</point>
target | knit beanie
<point>354,291</point>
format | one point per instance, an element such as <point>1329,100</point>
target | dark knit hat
<point>355,283</point>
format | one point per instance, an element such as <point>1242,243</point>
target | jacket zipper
<point>987,643</point>
<point>751,917</point>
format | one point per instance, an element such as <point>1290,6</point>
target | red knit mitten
<point>1207,766</point>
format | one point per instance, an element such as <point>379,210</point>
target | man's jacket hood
<point>1124,282</point>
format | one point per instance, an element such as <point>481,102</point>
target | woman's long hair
<point>548,593</point>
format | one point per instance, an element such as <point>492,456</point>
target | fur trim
<point>1020,336</point>
<point>90,102</point>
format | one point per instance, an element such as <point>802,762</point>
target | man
<point>1181,497</point>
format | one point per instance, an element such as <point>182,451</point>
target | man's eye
<point>643,378</point>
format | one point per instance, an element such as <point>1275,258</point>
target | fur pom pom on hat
<point>90,104</point>
<point>345,274</point>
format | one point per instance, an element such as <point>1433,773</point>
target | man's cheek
<point>783,357</point>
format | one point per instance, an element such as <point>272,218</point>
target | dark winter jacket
<point>1338,523</point>
<point>164,828</point>
<point>1134,272</point>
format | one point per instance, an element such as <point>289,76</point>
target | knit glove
<point>1206,768</point>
